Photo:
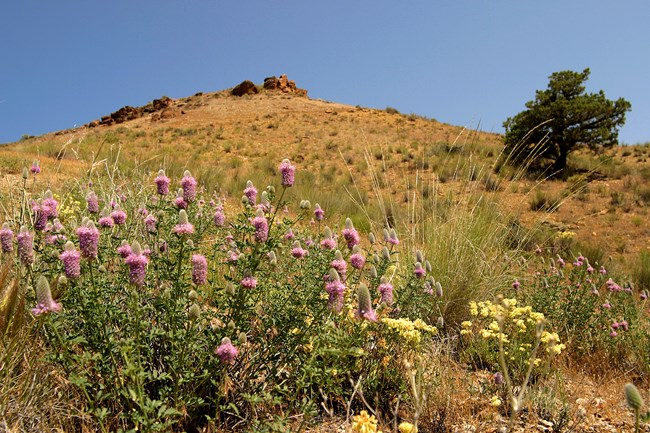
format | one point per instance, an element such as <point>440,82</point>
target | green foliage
<point>561,119</point>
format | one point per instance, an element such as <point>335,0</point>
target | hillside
<point>225,140</point>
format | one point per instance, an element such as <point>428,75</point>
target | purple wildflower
<point>249,282</point>
<point>162,183</point>
<point>219,218</point>
<point>288,172</point>
<point>516,285</point>
<point>226,351</point>
<point>36,167</point>
<point>339,264</point>
<point>297,251</point>
<point>137,263</point>
<point>590,269</point>
<point>6,239</point>
<point>189,187</point>
<point>335,289</point>
<point>150,223</point>
<point>385,288</point>
<point>498,378</point>
<point>71,259</point>
<point>118,215</point>
<point>250,192</point>
<point>124,249</point>
<point>44,301</point>
<point>261,227</point>
<point>92,202</point>
<point>199,269</point>
<point>25,242</point>
<point>357,260</point>
<point>88,240</point>
<point>183,227</point>
<point>419,271</point>
<point>319,213</point>
<point>350,234</point>
<point>364,308</point>
<point>560,262</point>
<point>602,270</point>
<point>289,234</point>
<point>179,201</point>
<point>392,237</point>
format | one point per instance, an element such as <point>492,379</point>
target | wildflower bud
<point>373,271</point>
<point>63,281</point>
<point>25,173</point>
<point>438,289</point>
<point>231,325</point>
<point>419,257</point>
<point>270,189</point>
<point>230,288</point>
<point>194,312</point>
<point>193,295</point>
<point>136,248</point>
<point>102,269</point>
<point>44,301</point>
<point>242,338</point>
<point>244,199</point>
<point>427,266</point>
<point>385,254</point>
<point>364,310</point>
<point>385,234</point>
<point>189,243</point>
<point>273,260</point>
<point>371,238</point>
<point>440,323</point>
<point>633,397</point>
<point>375,258</point>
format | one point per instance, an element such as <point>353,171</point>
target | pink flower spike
<point>288,172</point>
<point>226,351</point>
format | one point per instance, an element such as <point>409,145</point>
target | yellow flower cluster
<point>68,208</point>
<point>565,235</point>
<point>552,342</point>
<point>409,331</point>
<point>407,427</point>
<point>364,423</point>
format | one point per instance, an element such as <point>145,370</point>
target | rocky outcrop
<point>284,85</point>
<point>246,87</point>
<point>162,108</point>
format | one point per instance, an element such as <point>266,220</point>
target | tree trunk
<point>560,162</point>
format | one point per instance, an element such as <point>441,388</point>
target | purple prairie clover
<point>607,305</point>
<point>602,270</point>
<point>118,215</point>
<point>188,183</point>
<point>288,173</point>
<point>339,264</point>
<point>105,219</point>
<point>183,227</point>
<point>644,295</point>
<point>392,237</point>
<point>6,238</point>
<point>25,241</point>
<point>334,288</point>
<point>179,201</point>
<point>249,282</point>
<point>199,269</point>
<point>385,289</point>
<point>498,378</point>
<point>124,249</point>
<point>261,226</point>
<point>350,234</point>
<point>623,325</point>
<point>137,263</point>
<point>364,308</point>
<point>92,202</point>
<point>289,234</point>
<point>219,218</point>
<point>516,284</point>
<point>560,262</point>
<point>41,214</point>
<point>328,242</point>
<point>613,334</point>
<point>419,271</point>
<point>319,213</point>
<point>162,183</point>
<point>250,192</point>
<point>36,167</point>
<point>357,260</point>
<point>590,269</point>
<point>226,351</point>
<point>44,301</point>
<point>88,240</point>
<point>297,251</point>
<point>71,259</point>
<point>52,205</point>
<point>150,223</point>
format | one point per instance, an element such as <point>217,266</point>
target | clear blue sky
<point>463,62</point>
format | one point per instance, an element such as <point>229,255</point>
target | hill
<point>225,140</point>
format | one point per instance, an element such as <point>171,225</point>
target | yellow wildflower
<point>407,427</point>
<point>495,401</point>
<point>364,423</point>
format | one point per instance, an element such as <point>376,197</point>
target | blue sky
<point>468,63</point>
